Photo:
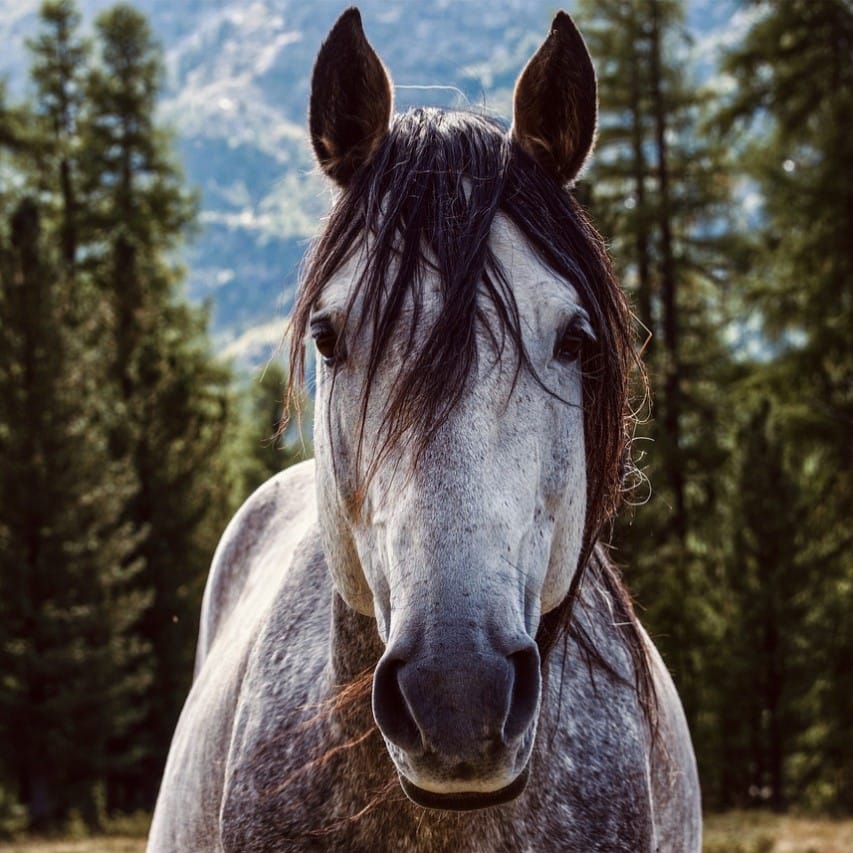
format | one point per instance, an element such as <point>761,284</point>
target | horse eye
<point>326,341</point>
<point>569,344</point>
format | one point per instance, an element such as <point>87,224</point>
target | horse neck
<point>355,651</point>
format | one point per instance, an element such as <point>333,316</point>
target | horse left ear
<point>350,100</point>
<point>555,105</point>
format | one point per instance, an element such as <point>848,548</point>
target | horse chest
<point>352,802</point>
<point>304,775</point>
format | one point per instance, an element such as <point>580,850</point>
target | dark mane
<point>428,198</point>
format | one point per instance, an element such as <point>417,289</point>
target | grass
<point>733,832</point>
<point>123,834</point>
<point>106,844</point>
<point>762,832</point>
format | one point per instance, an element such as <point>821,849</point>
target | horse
<point>416,641</point>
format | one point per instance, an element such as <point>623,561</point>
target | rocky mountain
<point>236,94</point>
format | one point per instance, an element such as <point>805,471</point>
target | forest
<point>127,443</point>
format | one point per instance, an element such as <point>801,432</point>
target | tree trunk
<point>669,292</point>
<point>641,235</point>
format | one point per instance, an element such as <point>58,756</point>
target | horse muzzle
<point>459,727</point>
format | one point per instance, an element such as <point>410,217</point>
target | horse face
<point>456,546</point>
<point>504,477</point>
<point>458,550</point>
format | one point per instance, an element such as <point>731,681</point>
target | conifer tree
<point>268,448</point>
<point>794,93</point>
<point>767,598</point>
<point>13,141</point>
<point>145,468</point>
<point>174,398</point>
<point>73,671</point>
<point>659,189</point>
<point>59,65</point>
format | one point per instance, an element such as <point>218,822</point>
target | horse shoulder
<point>271,520</point>
<point>671,774</point>
<point>674,777</point>
<point>617,767</point>
<point>252,562</point>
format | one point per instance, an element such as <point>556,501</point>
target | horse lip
<point>465,800</point>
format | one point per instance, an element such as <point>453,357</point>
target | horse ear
<point>556,102</point>
<point>350,100</point>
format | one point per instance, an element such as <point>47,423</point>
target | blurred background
<point>157,192</point>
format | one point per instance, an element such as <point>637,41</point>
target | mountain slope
<point>236,96</point>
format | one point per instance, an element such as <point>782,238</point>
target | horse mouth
<point>464,801</point>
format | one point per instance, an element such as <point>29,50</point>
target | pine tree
<point>14,122</point>
<point>59,65</point>
<point>268,445</point>
<point>175,400</point>
<point>794,104</point>
<point>767,599</point>
<point>659,189</point>
<point>131,492</point>
<point>72,669</point>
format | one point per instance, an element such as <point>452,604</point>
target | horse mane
<point>427,201</point>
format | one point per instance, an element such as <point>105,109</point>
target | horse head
<point>471,352</point>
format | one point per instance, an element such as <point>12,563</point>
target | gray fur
<point>237,776</point>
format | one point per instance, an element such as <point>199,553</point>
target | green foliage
<point>791,110</point>
<point>129,174</point>
<point>800,149</point>
<point>72,671</point>
<point>175,399</point>
<point>766,594</point>
<point>741,556</point>
<point>269,447</point>
<point>659,188</point>
<point>13,815</point>
<point>59,63</point>
<point>122,449</point>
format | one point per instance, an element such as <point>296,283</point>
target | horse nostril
<point>524,697</point>
<point>390,709</point>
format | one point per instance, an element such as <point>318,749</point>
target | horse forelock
<point>425,203</point>
<point>422,210</point>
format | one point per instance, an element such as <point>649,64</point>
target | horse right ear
<point>350,100</point>
<point>556,102</point>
